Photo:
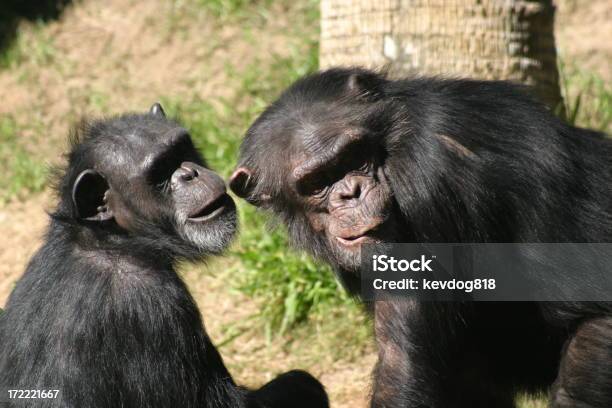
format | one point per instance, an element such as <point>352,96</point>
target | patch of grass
<point>290,286</point>
<point>36,45</point>
<point>20,172</point>
<point>226,9</point>
<point>528,401</point>
<point>588,99</point>
<point>10,57</point>
<point>263,83</point>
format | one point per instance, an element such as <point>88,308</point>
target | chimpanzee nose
<point>351,189</point>
<point>191,175</point>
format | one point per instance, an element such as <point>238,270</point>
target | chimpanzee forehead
<point>315,140</point>
<point>324,133</point>
<point>125,148</point>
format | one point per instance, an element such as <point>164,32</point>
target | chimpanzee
<point>100,314</point>
<point>347,156</point>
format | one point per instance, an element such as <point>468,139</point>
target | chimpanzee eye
<point>313,185</point>
<point>356,163</point>
<point>319,191</point>
<point>312,188</point>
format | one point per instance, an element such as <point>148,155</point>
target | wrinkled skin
<point>350,209</point>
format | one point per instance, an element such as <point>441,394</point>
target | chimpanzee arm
<point>585,377</point>
<point>427,358</point>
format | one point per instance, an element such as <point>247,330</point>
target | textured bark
<point>490,39</point>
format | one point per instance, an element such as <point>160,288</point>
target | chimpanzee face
<point>343,192</point>
<point>333,179</point>
<point>147,177</point>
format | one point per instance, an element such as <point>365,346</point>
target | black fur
<point>101,314</point>
<point>467,161</point>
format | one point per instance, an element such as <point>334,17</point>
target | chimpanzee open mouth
<point>212,209</point>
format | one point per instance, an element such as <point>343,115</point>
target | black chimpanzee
<point>368,159</point>
<point>100,313</point>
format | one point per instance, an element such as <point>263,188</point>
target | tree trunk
<point>490,39</point>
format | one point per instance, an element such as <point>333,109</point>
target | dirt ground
<point>111,43</point>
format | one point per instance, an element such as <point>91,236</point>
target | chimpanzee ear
<point>89,196</point>
<point>157,110</point>
<point>241,182</point>
<point>364,84</point>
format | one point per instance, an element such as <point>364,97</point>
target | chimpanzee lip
<point>210,210</point>
<point>364,235</point>
<point>351,241</point>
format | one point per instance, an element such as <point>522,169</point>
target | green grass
<point>232,9</point>
<point>290,286</point>
<point>532,401</point>
<point>39,49</point>
<point>587,98</point>
<point>20,172</point>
